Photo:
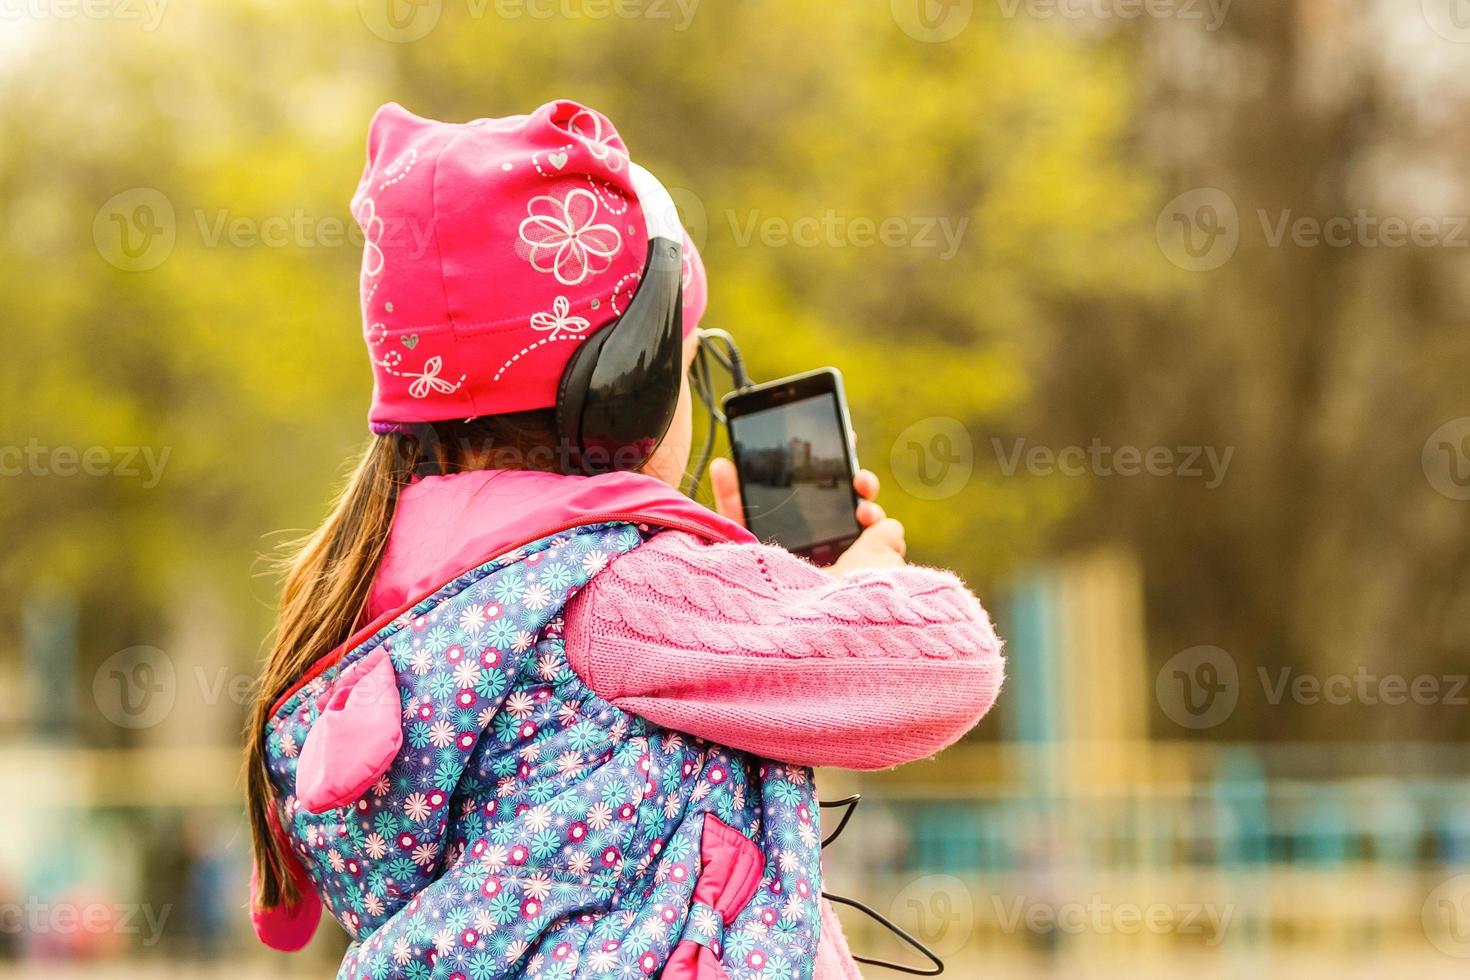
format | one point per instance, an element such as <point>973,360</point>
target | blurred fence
<point>1223,871</point>
<point>1245,859</point>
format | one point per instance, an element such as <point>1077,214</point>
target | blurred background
<point>1153,318</point>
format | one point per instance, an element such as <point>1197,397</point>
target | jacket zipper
<point>331,657</point>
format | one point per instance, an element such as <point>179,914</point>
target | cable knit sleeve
<point>751,647</point>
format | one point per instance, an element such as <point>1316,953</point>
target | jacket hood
<point>445,525</point>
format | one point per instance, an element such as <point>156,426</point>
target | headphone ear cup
<point>619,392</point>
<point>571,397</point>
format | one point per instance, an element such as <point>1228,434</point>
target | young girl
<point>517,723</point>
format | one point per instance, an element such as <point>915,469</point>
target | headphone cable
<point>851,803</point>
<point>702,379</point>
<point>729,358</point>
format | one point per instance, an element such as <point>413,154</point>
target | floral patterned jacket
<point>467,807</point>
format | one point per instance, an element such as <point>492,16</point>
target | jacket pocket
<point>731,868</point>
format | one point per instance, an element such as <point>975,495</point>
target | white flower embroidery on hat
<point>588,125</point>
<point>372,233</point>
<point>563,238</point>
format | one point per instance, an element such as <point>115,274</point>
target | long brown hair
<point>329,573</point>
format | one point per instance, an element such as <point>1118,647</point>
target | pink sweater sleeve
<point>751,647</point>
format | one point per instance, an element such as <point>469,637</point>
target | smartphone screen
<point>793,452</point>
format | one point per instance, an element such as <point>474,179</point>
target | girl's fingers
<point>869,513</point>
<point>725,486</point>
<point>889,534</point>
<point>865,482</point>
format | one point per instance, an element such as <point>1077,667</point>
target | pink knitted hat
<point>492,248</point>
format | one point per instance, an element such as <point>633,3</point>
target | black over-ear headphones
<point>618,393</point>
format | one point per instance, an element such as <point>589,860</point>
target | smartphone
<point>793,449</point>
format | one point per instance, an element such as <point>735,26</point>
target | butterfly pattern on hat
<point>558,324</point>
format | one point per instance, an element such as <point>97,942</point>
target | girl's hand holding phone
<point>880,545</point>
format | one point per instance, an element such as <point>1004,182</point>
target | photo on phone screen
<point>794,456</point>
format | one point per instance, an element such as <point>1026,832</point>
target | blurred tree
<point>998,163</point>
<point>1021,292</point>
<point>1325,367</point>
